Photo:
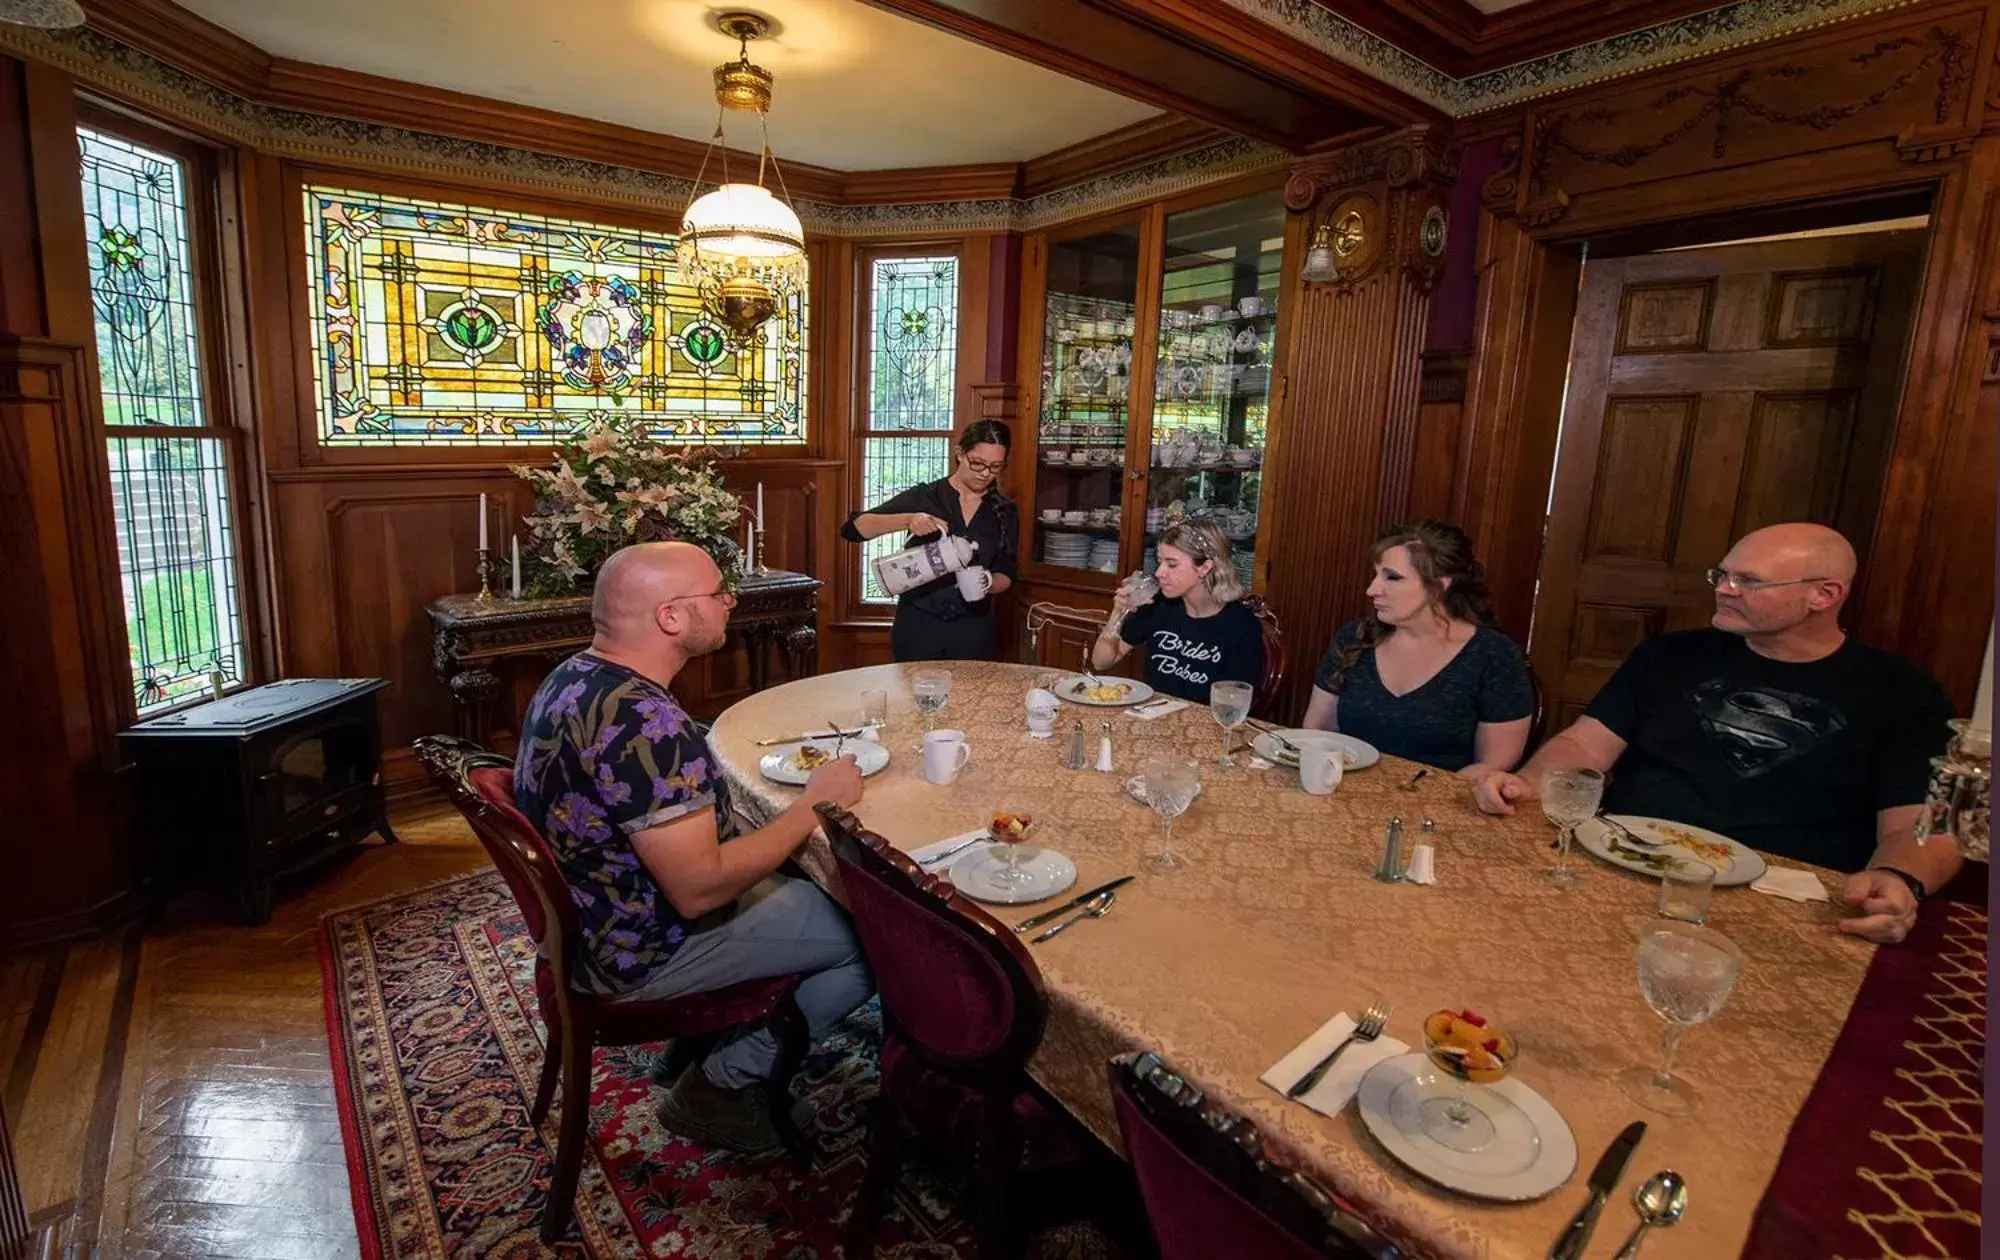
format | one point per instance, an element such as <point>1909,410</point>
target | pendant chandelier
<point>741,246</point>
<point>52,15</point>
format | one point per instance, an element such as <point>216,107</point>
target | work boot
<point>736,1120</point>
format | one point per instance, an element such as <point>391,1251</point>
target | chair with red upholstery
<point>481,785</point>
<point>962,1010</point>
<point>1267,695</point>
<point>1209,1187</point>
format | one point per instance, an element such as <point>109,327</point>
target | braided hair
<point>1442,558</point>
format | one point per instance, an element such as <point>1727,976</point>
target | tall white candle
<point>749,545</point>
<point>760,507</point>
<point>482,522</point>
<point>1982,704</point>
<point>515,544</point>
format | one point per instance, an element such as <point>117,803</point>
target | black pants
<point>918,636</point>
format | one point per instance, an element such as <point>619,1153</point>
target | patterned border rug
<point>436,1048</point>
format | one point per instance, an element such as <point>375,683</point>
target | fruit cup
<point>1463,1046</point>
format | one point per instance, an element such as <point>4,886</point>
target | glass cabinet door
<point>1212,375</point>
<point>1085,399</point>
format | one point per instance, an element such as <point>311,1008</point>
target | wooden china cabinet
<point>1149,391</point>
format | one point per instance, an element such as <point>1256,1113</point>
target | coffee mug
<point>1251,306</point>
<point>973,583</point>
<point>945,754</point>
<point>1320,768</point>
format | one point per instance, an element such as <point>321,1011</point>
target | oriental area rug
<point>437,1046</point>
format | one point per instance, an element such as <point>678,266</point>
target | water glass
<point>933,692</point>
<point>875,708</point>
<point>1171,783</point>
<point>1570,797</point>
<point>1686,973</point>
<point>1230,703</point>
<point>1685,888</point>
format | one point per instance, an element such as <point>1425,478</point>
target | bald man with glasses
<point>671,897</point>
<point>1774,727</point>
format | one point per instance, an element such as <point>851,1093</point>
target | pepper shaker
<point>1104,748</point>
<point>1075,759</point>
<point>1391,869</point>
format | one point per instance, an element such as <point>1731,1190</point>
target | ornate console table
<point>470,636</point>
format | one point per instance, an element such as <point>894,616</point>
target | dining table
<point>1277,922</point>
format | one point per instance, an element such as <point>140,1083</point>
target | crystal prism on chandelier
<point>741,245</point>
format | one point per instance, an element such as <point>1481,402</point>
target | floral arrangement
<point>611,485</point>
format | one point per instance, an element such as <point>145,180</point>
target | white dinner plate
<point>780,765</point>
<point>1360,753</point>
<point>974,872</point>
<point>1680,840</point>
<point>1135,787</point>
<point>1073,687</point>
<point>1532,1152</point>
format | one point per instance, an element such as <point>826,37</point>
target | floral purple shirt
<point>606,753</point>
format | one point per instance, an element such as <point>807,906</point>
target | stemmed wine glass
<point>1686,973</point>
<point>1010,842</point>
<point>933,691</point>
<point>1230,702</point>
<point>1171,783</point>
<point>1570,797</point>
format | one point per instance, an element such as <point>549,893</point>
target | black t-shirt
<point>1185,654</point>
<point>1486,682</point>
<point>1794,758</point>
<point>994,526</point>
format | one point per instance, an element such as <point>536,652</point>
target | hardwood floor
<point>169,1089</point>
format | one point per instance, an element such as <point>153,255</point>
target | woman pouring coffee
<point>952,618</point>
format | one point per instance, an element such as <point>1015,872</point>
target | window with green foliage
<point>911,387</point>
<point>170,464</point>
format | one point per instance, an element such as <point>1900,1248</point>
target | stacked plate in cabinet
<point>1072,551</point>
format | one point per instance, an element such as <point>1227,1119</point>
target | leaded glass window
<point>170,479</point>
<point>439,324</point>
<point>911,359</point>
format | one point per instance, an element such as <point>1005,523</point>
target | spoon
<point>1415,779</point>
<point>1658,1202</point>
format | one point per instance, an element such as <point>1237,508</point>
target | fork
<point>1372,1021</point>
<point>1097,909</point>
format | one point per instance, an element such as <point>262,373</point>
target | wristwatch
<point>1916,885</point>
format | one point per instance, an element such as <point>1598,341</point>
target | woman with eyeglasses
<point>1427,677</point>
<point>1197,632</point>
<point>935,622</point>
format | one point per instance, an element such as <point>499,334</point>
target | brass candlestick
<point>757,554</point>
<point>1957,805</point>
<point>485,595</point>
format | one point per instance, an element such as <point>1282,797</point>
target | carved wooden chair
<point>1538,722</point>
<point>1044,616</point>
<point>481,785</point>
<point>1209,1187</point>
<point>962,1010</point>
<point>1267,696</point>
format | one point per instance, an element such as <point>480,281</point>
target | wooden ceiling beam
<point>1187,57</point>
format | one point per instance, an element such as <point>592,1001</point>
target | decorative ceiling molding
<point>1699,35</point>
<point>126,73</point>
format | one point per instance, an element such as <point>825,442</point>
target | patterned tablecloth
<point>1278,924</point>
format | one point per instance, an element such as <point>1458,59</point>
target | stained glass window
<point>442,324</point>
<point>911,359</point>
<point>170,483</point>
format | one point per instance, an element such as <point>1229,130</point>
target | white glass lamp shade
<point>746,222</point>
<point>1319,266</point>
<point>54,15</point>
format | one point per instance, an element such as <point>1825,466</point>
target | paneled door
<point>1712,391</point>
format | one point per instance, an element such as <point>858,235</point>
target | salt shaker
<point>1075,759</point>
<point>1104,748</point>
<point>1391,869</point>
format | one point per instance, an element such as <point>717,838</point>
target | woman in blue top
<point>1427,677</point>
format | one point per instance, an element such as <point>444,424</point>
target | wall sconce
<point>1319,265</point>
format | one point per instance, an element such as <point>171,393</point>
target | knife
<point>835,733</point>
<point>1603,1180</point>
<point>1029,924</point>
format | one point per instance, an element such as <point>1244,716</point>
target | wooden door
<point>1711,392</point>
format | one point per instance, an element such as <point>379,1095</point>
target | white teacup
<point>1320,767</point>
<point>973,583</point>
<point>945,754</point>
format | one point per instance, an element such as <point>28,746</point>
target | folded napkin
<point>924,852</point>
<point>1344,1078</point>
<point>1791,883</point>
<point>1157,708</point>
<point>1423,866</point>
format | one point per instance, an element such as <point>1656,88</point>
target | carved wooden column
<point>1340,463</point>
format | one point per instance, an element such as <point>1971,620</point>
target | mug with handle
<point>1320,768</point>
<point>973,583</point>
<point>945,754</point>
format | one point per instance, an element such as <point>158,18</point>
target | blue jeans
<point>778,926</point>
